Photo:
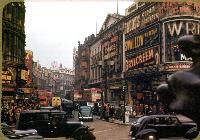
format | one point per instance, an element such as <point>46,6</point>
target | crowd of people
<point>108,111</point>
<point>11,110</point>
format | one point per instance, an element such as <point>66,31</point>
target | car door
<point>162,127</point>
<point>42,123</point>
<point>176,127</point>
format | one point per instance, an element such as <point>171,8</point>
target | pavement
<point>120,122</point>
<point>182,118</point>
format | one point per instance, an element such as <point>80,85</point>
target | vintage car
<point>19,134</point>
<point>85,113</point>
<point>53,123</point>
<point>155,127</point>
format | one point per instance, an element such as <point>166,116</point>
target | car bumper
<point>85,118</point>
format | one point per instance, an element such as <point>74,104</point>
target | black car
<point>85,113</point>
<point>155,127</point>
<point>19,134</point>
<point>53,123</point>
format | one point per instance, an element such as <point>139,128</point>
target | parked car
<point>85,113</point>
<point>19,134</point>
<point>53,123</point>
<point>155,127</point>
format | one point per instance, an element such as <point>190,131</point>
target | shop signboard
<point>24,75</point>
<point>177,66</point>
<point>29,65</point>
<point>144,38</point>
<point>145,58</point>
<point>173,29</point>
<point>141,19</point>
<point>142,48</point>
<point>6,77</point>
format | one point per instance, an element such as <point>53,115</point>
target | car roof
<point>85,106</point>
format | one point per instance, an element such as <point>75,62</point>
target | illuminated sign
<point>176,66</point>
<point>145,58</point>
<point>24,75</point>
<point>147,37</point>
<point>6,77</point>
<point>142,19</point>
<point>8,89</point>
<point>173,29</point>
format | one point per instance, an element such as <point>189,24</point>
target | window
<point>42,116</point>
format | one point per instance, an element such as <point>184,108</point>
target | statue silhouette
<point>181,92</point>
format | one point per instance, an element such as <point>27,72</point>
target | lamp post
<point>123,77</point>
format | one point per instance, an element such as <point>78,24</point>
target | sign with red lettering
<point>142,59</point>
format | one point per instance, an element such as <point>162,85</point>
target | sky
<point>53,28</point>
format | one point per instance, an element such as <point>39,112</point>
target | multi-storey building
<point>14,72</point>
<point>106,59</point>
<point>82,73</point>
<point>152,54</point>
<point>150,33</point>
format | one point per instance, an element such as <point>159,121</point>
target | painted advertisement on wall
<point>142,18</point>
<point>142,48</point>
<point>173,29</point>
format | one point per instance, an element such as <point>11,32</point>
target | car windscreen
<point>85,111</point>
<point>141,119</point>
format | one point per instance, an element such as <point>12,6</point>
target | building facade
<point>152,54</point>
<point>14,71</point>
<point>82,63</point>
<point>151,31</point>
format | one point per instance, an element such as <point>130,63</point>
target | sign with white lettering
<point>177,66</point>
<point>173,29</point>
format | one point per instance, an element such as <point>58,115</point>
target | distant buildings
<point>57,80</point>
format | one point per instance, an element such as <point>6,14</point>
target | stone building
<point>82,62</point>
<point>152,54</point>
<point>14,71</point>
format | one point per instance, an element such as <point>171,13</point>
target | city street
<point>109,131</point>
<point>106,130</point>
<point>64,63</point>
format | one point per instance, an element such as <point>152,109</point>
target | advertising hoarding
<point>172,30</point>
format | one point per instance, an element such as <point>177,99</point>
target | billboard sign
<point>173,29</point>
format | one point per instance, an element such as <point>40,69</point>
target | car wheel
<point>85,136</point>
<point>150,136</point>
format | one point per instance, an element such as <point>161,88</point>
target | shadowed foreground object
<point>181,93</point>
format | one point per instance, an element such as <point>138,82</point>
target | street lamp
<point>124,86</point>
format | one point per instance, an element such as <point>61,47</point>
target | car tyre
<point>150,136</point>
<point>85,135</point>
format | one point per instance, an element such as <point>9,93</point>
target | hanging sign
<point>6,77</point>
